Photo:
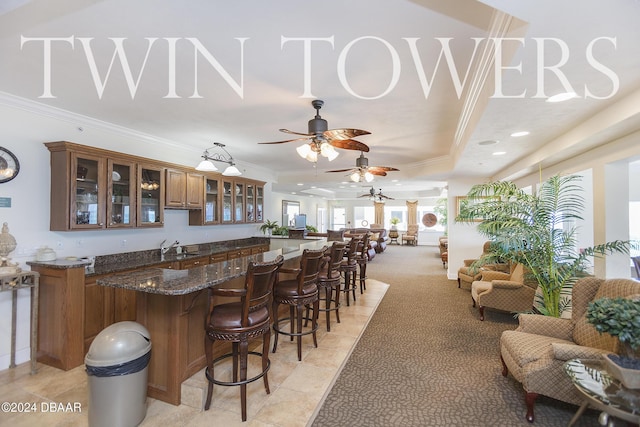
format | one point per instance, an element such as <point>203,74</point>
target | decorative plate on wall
<point>429,219</point>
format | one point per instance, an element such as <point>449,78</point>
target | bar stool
<point>362,259</point>
<point>297,294</point>
<point>329,280</point>
<point>349,268</point>
<point>240,322</point>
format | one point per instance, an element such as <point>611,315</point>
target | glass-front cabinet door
<point>259,203</point>
<point>227,201</point>
<point>150,212</point>
<point>212,202</point>
<point>87,192</point>
<point>121,179</point>
<point>239,189</point>
<point>251,202</point>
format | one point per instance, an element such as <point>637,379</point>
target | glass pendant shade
<point>231,170</point>
<point>206,166</point>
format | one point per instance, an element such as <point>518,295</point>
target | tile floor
<point>297,388</point>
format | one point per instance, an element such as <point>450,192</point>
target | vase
<point>629,377</point>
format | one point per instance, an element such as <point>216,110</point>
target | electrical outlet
<point>59,244</point>
<point>123,243</point>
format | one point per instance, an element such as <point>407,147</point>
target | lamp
<point>207,166</point>
<point>310,151</point>
<point>361,176</point>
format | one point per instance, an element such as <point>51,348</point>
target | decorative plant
<point>536,230</point>
<point>281,231</point>
<point>268,225</point>
<point>441,211</point>
<point>311,228</point>
<point>394,221</point>
<point>619,317</point>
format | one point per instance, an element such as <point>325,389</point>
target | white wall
<point>23,132</point>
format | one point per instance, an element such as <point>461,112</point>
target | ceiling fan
<point>364,172</point>
<point>376,196</point>
<point>323,139</point>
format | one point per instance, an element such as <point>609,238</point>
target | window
<point>363,216</point>
<point>339,218</point>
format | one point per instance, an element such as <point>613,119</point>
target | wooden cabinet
<point>150,189</point>
<point>92,188</point>
<point>60,317</point>
<point>210,213</point>
<point>218,258</point>
<point>193,262</point>
<point>184,190</point>
<point>121,194</point>
<point>104,306</point>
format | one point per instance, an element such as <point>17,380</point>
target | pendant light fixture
<point>207,165</point>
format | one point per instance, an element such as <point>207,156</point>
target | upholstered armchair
<point>468,275</point>
<point>503,291</point>
<point>411,235</point>
<point>536,351</point>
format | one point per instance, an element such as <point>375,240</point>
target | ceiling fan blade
<point>377,172</point>
<point>342,170</point>
<point>296,133</point>
<point>282,142</point>
<point>344,134</point>
<point>349,144</point>
<point>382,169</point>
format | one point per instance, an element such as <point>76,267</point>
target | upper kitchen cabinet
<point>210,213</point>
<point>184,190</point>
<point>121,194</point>
<point>78,188</point>
<point>254,201</point>
<point>150,196</point>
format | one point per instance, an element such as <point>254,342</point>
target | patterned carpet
<point>426,360</point>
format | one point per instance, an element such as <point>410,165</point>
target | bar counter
<point>180,282</point>
<point>173,305</point>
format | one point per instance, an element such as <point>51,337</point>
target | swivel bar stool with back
<point>329,280</point>
<point>298,293</point>
<point>362,259</point>
<point>239,322</point>
<point>349,268</point>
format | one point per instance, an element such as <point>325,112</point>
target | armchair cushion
<point>566,352</point>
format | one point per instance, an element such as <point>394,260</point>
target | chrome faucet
<point>164,249</point>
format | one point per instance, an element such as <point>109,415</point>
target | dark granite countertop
<point>109,264</point>
<point>181,282</point>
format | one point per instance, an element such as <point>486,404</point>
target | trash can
<point>116,366</point>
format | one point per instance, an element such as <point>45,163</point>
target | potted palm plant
<point>538,231</point>
<point>620,317</point>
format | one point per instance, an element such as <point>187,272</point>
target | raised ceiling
<point>236,72</point>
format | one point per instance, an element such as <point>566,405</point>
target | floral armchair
<point>504,291</point>
<point>537,350</point>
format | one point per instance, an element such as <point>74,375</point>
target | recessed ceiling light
<point>522,133</point>
<point>488,142</point>
<point>300,183</point>
<point>499,153</point>
<point>394,180</point>
<point>565,96</point>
